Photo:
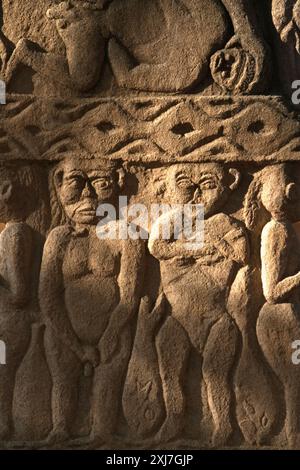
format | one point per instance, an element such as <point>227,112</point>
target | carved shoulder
<point>57,241</point>
<point>17,234</point>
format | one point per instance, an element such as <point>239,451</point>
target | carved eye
<point>208,184</point>
<point>102,183</point>
<point>76,183</point>
<point>184,182</point>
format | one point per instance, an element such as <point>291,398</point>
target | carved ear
<point>159,183</point>
<point>58,178</point>
<point>121,178</point>
<point>237,178</point>
<point>6,190</point>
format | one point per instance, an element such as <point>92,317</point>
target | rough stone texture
<point>122,343</point>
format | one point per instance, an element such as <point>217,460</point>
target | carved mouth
<point>88,212</point>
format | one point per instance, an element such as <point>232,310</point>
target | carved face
<point>205,184</point>
<point>280,194</point>
<point>82,187</point>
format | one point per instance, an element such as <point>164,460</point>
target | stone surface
<point>149,341</point>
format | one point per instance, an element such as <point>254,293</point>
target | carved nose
<point>197,194</point>
<point>291,192</point>
<point>87,190</point>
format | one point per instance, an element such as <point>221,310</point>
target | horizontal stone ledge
<point>150,129</point>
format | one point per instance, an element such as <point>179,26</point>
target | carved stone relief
<point>133,341</point>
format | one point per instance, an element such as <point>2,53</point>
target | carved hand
<point>108,344</point>
<point>90,355</point>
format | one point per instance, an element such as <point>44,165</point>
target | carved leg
<point>218,360</point>
<point>277,328</point>
<point>7,382</point>
<point>167,77</point>
<point>17,343</point>
<point>142,399</point>
<point>65,369</point>
<point>173,347</point>
<point>47,64</point>
<point>23,55</point>
<point>107,391</point>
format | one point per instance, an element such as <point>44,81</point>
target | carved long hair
<point>253,203</point>
<point>34,201</point>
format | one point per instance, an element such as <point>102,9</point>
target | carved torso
<point>90,271</point>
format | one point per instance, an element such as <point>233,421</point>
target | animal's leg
<point>167,77</point>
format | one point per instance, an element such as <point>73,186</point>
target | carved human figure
<point>16,252</point>
<point>278,324</point>
<point>196,283</point>
<point>89,293</point>
<point>286,19</point>
<point>171,52</point>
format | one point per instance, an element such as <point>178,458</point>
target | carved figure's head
<point>275,189</point>
<point>209,184</point>
<point>286,19</point>
<point>81,185</point>
<point>17,185</point>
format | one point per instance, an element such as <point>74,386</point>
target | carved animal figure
<point>16,289</point>
<point>169,51</point>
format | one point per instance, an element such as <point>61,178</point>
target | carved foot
<point>5,431</point>
<point>221,436</point>
<point>58,436</point>
<point>96,440</point>
<point>294,441</point>
<point>170,430</point>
